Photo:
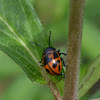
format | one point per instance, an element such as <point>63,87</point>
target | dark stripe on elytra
<point>58,61</point>
<point>44,61</point>
<point>55,55</point>
<point>47,70</point>
<point>53,71</point>
<point>59,68</point>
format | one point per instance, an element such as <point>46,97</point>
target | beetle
<point>51,60</point>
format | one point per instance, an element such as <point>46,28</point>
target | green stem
<point>74,49</point>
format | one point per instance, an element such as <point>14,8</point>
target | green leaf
<point>91,77</point>
<point>19,26</point>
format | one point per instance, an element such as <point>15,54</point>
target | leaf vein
<point>23,44</point>
<point>9,35</point>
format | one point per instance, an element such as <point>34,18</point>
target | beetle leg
<point>62,74</point>
<point>58,51</point>
<point>63,61</point>
<point>40,62</point>
<point>63,54</point>
<point>41,65</point>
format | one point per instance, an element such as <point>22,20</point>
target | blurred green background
<point>54,15</point>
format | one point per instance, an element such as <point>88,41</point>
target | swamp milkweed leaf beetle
<point>51,60</point>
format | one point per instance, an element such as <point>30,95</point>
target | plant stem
<point>96,99</point>
<point>51,85</point>
<point>55,91</point>
<point>74,49</point>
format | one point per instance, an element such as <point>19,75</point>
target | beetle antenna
<point>49,38</point>
<point>38,45</point>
